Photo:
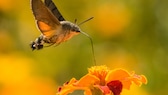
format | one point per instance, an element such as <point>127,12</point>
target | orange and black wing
<point>46,21</point>
<point>49,4</point>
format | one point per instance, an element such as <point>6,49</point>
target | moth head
<point>66,25</point>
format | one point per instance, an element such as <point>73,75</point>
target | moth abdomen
<point>37,44</point>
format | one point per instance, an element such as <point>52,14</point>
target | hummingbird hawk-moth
<point>54,28</point>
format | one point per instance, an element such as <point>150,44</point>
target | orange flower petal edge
<point>87,80</point>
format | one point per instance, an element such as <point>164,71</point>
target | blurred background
<point>129,34</point>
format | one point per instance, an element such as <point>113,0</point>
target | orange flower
<point>102,81</point>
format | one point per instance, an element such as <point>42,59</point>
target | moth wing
<point>50,5</point>
<point>46,21</point>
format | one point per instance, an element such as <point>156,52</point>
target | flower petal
<point>83,84</point>
<point>67,87</point>
<point>88,80</point>
<point>139,79</point>
<point>125,77</point>
<point>121,75</point>
<point>104,89</point>
<point>117,74</point>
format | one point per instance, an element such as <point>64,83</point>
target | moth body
<point>66,31</point>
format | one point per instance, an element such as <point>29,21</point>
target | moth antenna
<point>91,41</point>
<point>85,21</point>
<point>75,21</point>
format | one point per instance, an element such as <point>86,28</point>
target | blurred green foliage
<point>130,34</point>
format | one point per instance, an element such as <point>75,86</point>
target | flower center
<point>100,72</point>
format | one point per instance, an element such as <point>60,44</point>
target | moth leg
<point>50,45</point>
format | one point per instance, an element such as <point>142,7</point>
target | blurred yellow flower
<point>111,18</point>
<point>102,81</point>
<point>16,77</point>
<point>5,4</point>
